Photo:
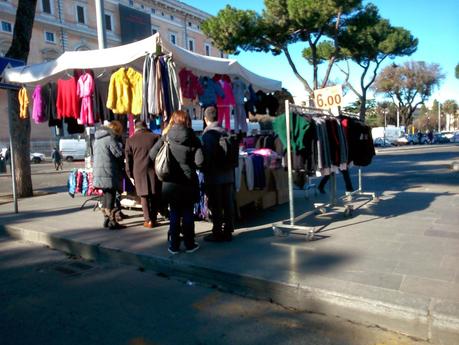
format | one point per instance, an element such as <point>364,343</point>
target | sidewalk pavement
<point>394,264</point>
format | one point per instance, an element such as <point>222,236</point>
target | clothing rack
<point>359,191</point>
<point>282,228</point>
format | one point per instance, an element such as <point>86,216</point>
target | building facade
<point>69,25</point>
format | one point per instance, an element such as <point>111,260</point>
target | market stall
<point>177,73</point>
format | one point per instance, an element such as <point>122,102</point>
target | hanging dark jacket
<point>108,155</point>
<point>182,187</point>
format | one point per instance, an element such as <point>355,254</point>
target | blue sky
<point>434,23</point>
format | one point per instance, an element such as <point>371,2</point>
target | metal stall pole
<point>280,228</point>
<point>289,164</point>
<point>12,155</point>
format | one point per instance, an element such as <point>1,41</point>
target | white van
<point>72,149</point>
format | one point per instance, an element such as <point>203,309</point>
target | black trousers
<point>221,205</point>
<point>108,199</point>
<point>346,177</point>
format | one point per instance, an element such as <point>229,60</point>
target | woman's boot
<point>112,223</point>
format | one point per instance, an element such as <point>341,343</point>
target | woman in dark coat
<point>107,170</point>
<point>141,170</point>
<point>181,190</point>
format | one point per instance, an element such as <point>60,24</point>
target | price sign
<point>328,97</point>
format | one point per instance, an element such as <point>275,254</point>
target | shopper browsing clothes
<point>181,189</point>
<point>218,180</point>
<point>107,169</point>
<point>141,171</point>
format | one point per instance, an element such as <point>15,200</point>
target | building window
<point>142,6</point>
<point>221,54</point>
<point>207,49</point>
<point>191,45</point>
<point>190,24</point>
<point>80,15</point>
<point>50,37</point>
<point>162,13</point>
<point>108,22</point>
<point>154,30</point>
<point>172,17</point>
<point>46,6</point>
<point>7,27</point>
<point>131,3</point>
<point>173,38</point>
<point>153,11</point>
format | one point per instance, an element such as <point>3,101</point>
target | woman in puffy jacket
<point>107,170</point>
<point>181,189</point>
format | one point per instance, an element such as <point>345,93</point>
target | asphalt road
<point>397,168</point>
<point>49,298</point>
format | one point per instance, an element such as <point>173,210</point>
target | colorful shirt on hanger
<point>85,89</point>
<point>38,113</point>
<point>23,103</point>
<point>67,100</point>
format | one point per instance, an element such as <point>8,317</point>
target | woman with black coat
<point>181,190</point>
<point>107,169</point>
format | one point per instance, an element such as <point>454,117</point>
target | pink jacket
<point>85,89</point>
<point>37,112</point>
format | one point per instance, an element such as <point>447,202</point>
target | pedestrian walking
<point>107,169</point>
<point>56,158</point>
<point>181,189</point>
<point>218,179</point>
<point>141,171</point>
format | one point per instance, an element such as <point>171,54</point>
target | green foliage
<point>457,71</point>
<point>410,84</point>
<point>450,106</point>
<point>325,50</point>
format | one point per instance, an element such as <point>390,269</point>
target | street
<point>50,298</point>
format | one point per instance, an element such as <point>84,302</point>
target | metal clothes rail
<point>283,228</point>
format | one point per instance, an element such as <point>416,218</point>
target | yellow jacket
<point>125,92</point>
<point>23,103</point>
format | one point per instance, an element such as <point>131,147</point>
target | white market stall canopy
<point>133,53</point>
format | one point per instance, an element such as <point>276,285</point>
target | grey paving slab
<point>431,288</point>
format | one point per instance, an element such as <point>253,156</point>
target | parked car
<point>417,139</point>
<point>381,142</point>
<point>440,138</point>
<point>455,137</point>
<point>403,140</point>
<point>37,157</point>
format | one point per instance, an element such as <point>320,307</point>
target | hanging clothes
<point>38,114</point>
<point>210,91</point>
<point>125,92</point>
<point>240,116</point>
<point>148,75</point>
<point>100,96</point>
<point>225,103</point>
<point>189,84</point>
<point>85,89</point>
<point>49,98</point>
<point>174,86</point>
<point>67,101</point>
<point>23,103</point>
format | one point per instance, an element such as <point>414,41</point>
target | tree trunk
<point>20,128</point>
<point>20,136</point>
